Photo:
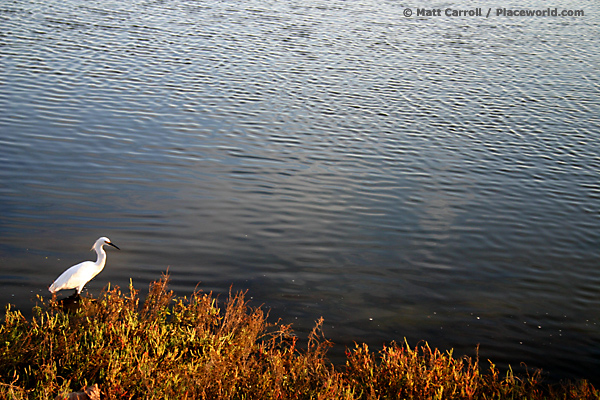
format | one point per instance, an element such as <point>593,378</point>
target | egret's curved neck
<point>101,260</point>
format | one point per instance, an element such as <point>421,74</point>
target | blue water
<point>423,178</point>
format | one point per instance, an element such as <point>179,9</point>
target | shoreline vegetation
<point>168,347</point>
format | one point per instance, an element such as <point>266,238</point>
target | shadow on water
<point>70,304</point>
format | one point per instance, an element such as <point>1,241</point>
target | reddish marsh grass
<point>190,348</point>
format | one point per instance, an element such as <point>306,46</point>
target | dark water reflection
<point>432,179</point>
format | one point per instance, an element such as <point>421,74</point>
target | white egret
<point>78,275</point>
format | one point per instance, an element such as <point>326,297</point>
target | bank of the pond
<point>171,347</point>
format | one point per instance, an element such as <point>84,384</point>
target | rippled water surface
<point>423,178</point>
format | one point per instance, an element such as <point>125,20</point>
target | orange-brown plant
<point>168,347</point>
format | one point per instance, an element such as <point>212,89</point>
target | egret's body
<point>78,275</point>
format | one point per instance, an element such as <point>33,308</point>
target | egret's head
<point>102,241</point>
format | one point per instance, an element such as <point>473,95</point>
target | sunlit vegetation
<point>168,347</point>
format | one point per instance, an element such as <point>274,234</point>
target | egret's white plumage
<point>78,275</point>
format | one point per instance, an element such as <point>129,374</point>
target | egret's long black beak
<point>113,245</point>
